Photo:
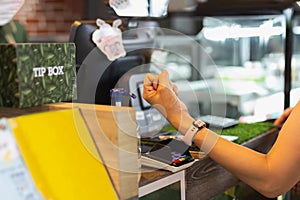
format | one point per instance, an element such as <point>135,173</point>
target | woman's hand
<point>162,94</point>
<point>280,120</point>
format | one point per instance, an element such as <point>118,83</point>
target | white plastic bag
<point>109,39</point>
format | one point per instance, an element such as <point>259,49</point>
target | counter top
<point>204,179</point>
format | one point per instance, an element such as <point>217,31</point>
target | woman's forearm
<point>251,167</point>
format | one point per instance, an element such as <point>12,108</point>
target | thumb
<point>163,79</point>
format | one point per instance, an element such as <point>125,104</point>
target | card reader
<point>170,151</point>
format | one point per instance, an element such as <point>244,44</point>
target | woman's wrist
<point>206,140</point>
<point>181,121</point>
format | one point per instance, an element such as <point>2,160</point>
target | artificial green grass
<point>247,131</point>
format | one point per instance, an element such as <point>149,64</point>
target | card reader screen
<point>171,151</point>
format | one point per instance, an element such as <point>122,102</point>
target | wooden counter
<point>114,132</point>
<point>204,179</point>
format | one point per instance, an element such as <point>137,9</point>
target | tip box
<point>33,74</point>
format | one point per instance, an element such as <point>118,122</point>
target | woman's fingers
<point>279,121</point>
<point>151,80</point>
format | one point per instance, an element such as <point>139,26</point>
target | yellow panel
<point>61,156</point>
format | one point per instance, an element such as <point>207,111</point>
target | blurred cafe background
<point>238,59</point>
<point>251,47</point>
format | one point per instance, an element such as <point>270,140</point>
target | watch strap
<point>191,132</point>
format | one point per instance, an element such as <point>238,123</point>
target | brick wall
<point>50,20</point>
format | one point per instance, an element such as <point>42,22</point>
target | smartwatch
<point>190,134</point>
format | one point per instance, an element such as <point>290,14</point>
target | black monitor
<point>113,74</point>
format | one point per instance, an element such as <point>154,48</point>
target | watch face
<point>199,124</point>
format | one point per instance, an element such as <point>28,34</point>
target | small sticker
<point>15,180</point>
<point>140,115</point>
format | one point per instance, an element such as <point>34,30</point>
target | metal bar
<point>289,14</point>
